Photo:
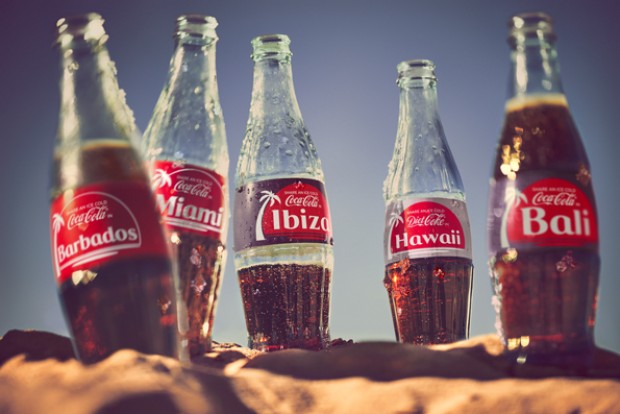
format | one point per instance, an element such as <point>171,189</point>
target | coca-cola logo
<point>190,198</point>
<point>200,189</point>
<point>425,225</point>
<point>549,212</point>
<point>92,214</point>
<point>302,201</point>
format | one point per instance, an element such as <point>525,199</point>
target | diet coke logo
<point>559,199</point>
<point>93,214</point>
<point>302,201</point>
<point>432,219</point>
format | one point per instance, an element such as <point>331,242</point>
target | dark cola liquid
<point>430,299</point>
<point>545,296</point>
<point>200,270</point>
<point>128,304</point>
<point>286,306</point>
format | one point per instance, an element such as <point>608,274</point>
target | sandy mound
<point>39,375</point>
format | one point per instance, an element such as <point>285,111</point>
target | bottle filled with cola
<point>428,254</point>
<point>542,224</point>
<point>282,229</point>
<point>109,254</point>
<point>187,155</point>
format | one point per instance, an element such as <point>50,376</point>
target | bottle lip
<point>415,69</point>
<point>196,26</point>
<point>530,25</point>
<point>80,28</point>
<point>274,46</point>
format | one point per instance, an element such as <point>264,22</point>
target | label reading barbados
<point>95,224</point>
<point>417,228</point>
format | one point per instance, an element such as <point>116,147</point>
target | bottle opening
<point>415,69</point>
<point>85,28</point>
<point>275,46</point>
<point>196,26</point>
<point>533,25</point>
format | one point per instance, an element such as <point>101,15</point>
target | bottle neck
<point>418,109</point>
<point>535,69</point>
<point>92,104</point>
<point>273,91</point>
<point>194,64</point>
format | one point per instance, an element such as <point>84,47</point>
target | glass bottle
<point>542,228</point>
<point>109,254</point>
<point>427,240</point>
<point>187,155</point>
<point>282,228</point>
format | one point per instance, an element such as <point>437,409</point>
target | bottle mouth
<point>196,26</point>
<point>531,25</point>
<point>274,46</point>
<point>415,69</point>
<point>86,28</point>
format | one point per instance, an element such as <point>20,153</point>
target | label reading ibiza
<point>282,211</point>
<point>189,198</point>
<point>549,213</point>
<point>430,227</point>
<point>96,224</point>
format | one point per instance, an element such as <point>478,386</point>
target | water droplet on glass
<point>306,153</point>
<point>267,144</point>
<point>417,168</point>
<point>195,258</point>
<point>73,66</point>
<point>196,127</point>
<point>285,140</point>
<point>288,152</point>
<point>197,90</point>
<point>420,136</point>
<point>178,154</point>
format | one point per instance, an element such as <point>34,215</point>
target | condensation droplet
<point>73,66</point>
<point>267,144</point>
<point>288,152</point>
<point>197,90</point>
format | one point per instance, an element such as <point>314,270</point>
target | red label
<point>550,212</point>
<point>189,198</point>
<point>424,225</point>
<point>282,211</point>
<point>96,224</point>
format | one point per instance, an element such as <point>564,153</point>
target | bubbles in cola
<point>187,156</point>
<point>543,234</point>
<point>282,226</point>
<point>428,272</point>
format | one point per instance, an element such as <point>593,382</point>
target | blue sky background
<point>344,66</point>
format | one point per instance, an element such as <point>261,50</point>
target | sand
<point>38,374</point>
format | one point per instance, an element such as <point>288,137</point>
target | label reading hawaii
<point>281,211</point>
<point>551,212</point>
<point>96,224</point>
<point>418,228</point>
<point>190,198</point>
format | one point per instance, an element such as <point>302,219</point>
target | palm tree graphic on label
<point>160,179</point>
<point>57,223</point>
<point>513,198</point>
<point>395,218</point>
<point>267,198</point>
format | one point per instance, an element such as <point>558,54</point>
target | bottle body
<point>187,156</point>
<point>542,226</point>
<point>109,254</point>
<point>282,227</point>
<point>429,270</point>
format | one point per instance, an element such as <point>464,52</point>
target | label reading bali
<point>418,228</point>
<point>95,224</point>
<point>189,198</point>
<point>550,213</point>
<point>282,211</point>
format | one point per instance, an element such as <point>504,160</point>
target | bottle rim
<point>86,27</point>
<point>197,26</point>
<point>415,69</point>
<point>271,46</point>
<point>530,25</point>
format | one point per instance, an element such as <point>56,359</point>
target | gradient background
<point>345,54</point>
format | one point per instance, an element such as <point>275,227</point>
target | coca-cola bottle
<point>542,226</point>
<point>282,229</point>
<point>428,254</point>
<point>109,254</point>
<point>187,156</point>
